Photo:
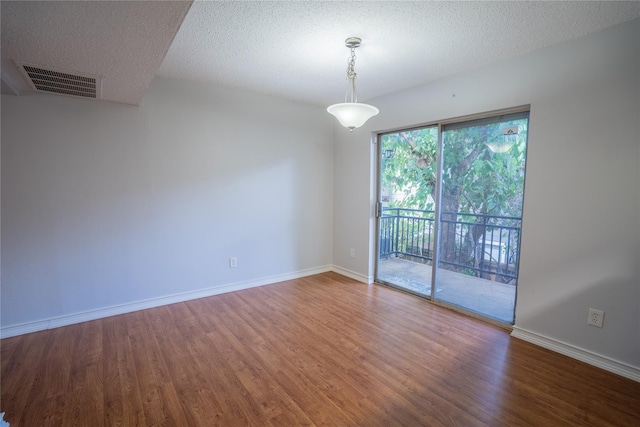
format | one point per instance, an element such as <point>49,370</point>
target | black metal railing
<point>485,246</point>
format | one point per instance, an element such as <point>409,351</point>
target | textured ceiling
<point>289,49</point>
<point>123,42</point>
<point>296,49</point>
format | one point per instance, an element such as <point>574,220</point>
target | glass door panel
<point>480,213</point>
<point>406,216</point>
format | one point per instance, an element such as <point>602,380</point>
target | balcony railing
<point>484,246</point>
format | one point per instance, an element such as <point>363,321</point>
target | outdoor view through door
<point>453,192</point>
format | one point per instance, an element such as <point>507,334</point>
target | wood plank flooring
<point>322,350</point>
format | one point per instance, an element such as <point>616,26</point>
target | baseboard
<point>352,274</point>
<point>56,322</point>
<point>578,353</point>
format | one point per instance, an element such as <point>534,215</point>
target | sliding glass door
<point>450,211</point>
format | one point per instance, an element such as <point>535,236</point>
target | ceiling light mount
<point>352,114</point>
<point>353,42</point>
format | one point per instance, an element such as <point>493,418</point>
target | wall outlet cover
<point>596,318</point>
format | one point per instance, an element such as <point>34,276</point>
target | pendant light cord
<point>351,95</point>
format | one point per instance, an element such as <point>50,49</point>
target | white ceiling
<point>289,49</point>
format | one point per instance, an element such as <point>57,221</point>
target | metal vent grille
<point>60,82</point>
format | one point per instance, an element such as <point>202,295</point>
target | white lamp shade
<point>352,114</point>
<point>499,147</point>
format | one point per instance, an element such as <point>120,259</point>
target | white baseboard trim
<point>578,353</point>
<point>352,274</point>
<point>56,322</point>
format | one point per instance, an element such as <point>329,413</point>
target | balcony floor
<point>485,297</point>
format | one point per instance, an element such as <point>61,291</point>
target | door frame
<point>438,191</point>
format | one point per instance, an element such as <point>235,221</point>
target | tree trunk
<point>449,216</point>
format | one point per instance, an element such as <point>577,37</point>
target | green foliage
<point>409,168</point>
<point>475,179</point>
<point>468,272</point>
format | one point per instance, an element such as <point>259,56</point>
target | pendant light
<point>350,113</point>
<point>504,144</point>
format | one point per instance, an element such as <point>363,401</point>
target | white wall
<point>105,205</point>
<point>581,234</point>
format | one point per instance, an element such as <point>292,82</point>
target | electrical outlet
<point>352,253</point>
<point>233,262</point>
<point>596,317</point>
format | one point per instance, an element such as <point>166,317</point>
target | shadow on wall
<point>562,316</point>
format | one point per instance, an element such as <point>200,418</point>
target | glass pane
<point>407,224</point>
<point>483,170</point>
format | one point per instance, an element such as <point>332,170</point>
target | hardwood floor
<point>322,350</point>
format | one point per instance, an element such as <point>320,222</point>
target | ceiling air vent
<point>61,82</point>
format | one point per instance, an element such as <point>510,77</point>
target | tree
<point>475,180</point>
